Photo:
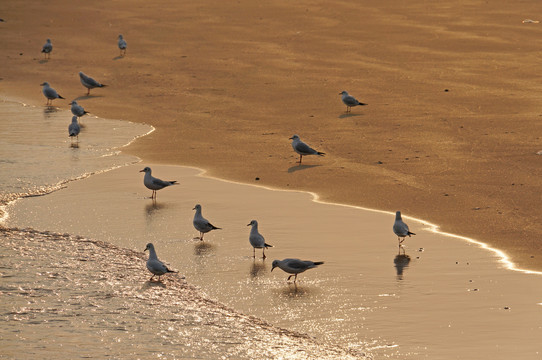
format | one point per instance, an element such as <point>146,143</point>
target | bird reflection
<point>294,291</point>
<point>49,110</point>
<point>74,145</point>
<point>401,262</point>
<point>152,208</point>
<point>202,248</point>
<point>257,269</point>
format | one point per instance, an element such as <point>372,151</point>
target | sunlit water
<point>445,298</point>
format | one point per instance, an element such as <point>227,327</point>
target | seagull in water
<point>89,82</point>
<point>256,239</point>
<point>49,93</point>
<point>122,45</point>
<point>155,266</point>
<point>153,183</point>
<point>47,48</point>
<point>295,266</point>
<point>401,229</point>
<point>77,109</point>
<point>74,128</point>
<point>349,101</point>
<point>202,224</point>
<point>303,149</point>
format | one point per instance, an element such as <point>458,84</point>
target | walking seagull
<point>122,45</point>
<point>256,239</point>
<point>47,48</point>
<point>153,183</point>
<point>49,93</point>
<point>295,266</point>
<point>74,129</point>
<point>155,266</point>
<point>89,82</point>
<point>202,224</point>
<point>350,101</point>
<point>401,229</point>
<point>303,149</point>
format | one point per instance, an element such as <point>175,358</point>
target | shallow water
<point>451,300</point>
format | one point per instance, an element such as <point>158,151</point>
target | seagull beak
<point>248,224</point>
<point>146,249</point>
<point>142,170</point>
<point>273,268</point>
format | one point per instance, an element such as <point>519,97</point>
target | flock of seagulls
<point>256,240</point>
<point>88,82</point>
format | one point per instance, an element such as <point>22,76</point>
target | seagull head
<point>274,264</point>
<point>146,170</point>
<point>294,137</point>
<point>120,36</point>
<point>149,246</point>
<point>73,103</point>
<point>398,215</point>
<point>253,222</point>
<point>45,83</point>
<point>197,207</point>
<point>74,119</point>
<point>343,93</point>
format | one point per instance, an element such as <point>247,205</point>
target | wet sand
<point>445,298</point>
<point>450,134</point>
<point>70,297</point>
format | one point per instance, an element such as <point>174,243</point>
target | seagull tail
<point>318,262</point>
<point>171,271</point>
<point>410,233</point>
<point>102,85</point>
<point>362,104</point>
<point>267,245</point>
<point>60,97</point>
<point>320,153</point>
<point>174,182</point>
<point>215,228</point>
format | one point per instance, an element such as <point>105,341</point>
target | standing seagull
<point>349,101</point>
<point>295,266</point>
<point>122,45</point>
<point>256,239</point>
<point>49,93</point>
<point>77,109</point>
<point>153,183</point>
<point>74,128</point>
<point>400,228</point>
<point>89,82</point>
<point>303,149</point>
<point>155,266</point>
<point>47,48</point>
<point>202,224</point>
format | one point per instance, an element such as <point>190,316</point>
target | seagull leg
<point>263,252</point>
<point>88,91</point>
<point>254,252</point>
<point>295,278</point>
<point>289,277</point>
<point>300,158</point>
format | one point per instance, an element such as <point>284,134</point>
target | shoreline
<point>465,158</point>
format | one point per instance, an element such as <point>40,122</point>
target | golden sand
<point>451,132</point>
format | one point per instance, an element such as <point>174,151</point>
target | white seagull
<point>122,45</point>
<point>349,101</point>
<point>153,183</point>
<point>202,224</point>
<point>47,48</point>
<point>49,93</point>
<point>155,266</point>
<point>74,129</point>
<point>256,239</point>
<point>303,149</point>
<point>77,109</point>
<point>295,266</point>
<point>89,82</point>
<point>400,228</point>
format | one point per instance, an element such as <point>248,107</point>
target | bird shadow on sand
<point>149,284</point>
<point>294,291</point>
<point>118,57</point>
<point>203,248</point>
<point>347,115</point>
<point>300,167</point>
<point>43,61</point>
<point>257,269</point>
<point>86,97</point>
<point>48,110</point>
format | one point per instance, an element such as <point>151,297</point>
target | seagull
<point>47,48</point>
<point>77,109</point>
<point>400,228</point>
<point>50,93</point>
<point>256,239</point>
<point>74,128</point>
<point>295,266</point>
<point>303,149</point>
<point>153,183</point>
<point>349,101</point>
<point>201,224</point>
<point>122,45</point>
<point>155,266</point>
<point>89,82</point>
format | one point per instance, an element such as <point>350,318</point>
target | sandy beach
<point>451,132</point>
